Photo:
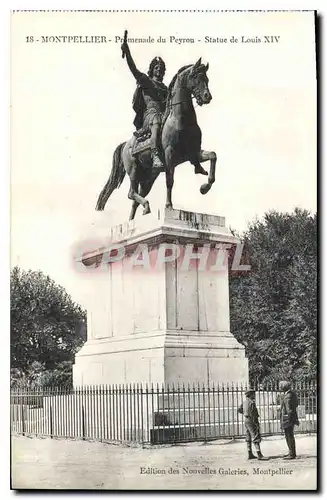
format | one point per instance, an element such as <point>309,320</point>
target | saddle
<point>143,140</point>
<point>142,134</point>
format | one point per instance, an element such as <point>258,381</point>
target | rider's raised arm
<point>131,64</point>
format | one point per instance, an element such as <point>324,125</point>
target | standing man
<point>288,417</point>
<point>149,99</point>
<point>251,415</point>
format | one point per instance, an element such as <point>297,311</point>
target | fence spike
<point>24,396</point>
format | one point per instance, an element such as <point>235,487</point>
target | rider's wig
<point>153,63</point>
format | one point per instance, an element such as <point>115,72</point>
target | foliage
<point>274,306</point>
<point>47,327</point>
<point>36,376</point>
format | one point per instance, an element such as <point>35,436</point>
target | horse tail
<point>116,177</point>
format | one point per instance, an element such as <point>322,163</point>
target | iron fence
<point>151,414</point>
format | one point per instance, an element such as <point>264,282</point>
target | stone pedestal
<point>151,321</point>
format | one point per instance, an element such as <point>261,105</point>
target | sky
<point>71,106</point>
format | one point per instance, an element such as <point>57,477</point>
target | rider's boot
<point>156,161</point>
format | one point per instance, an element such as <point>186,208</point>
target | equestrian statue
<point>166,135</point>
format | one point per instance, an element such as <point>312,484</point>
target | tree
<point>37,376</point>
<point>274,306</point>
<point>47,327</point>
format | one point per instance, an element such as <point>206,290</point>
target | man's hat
<point>284,385</point>
<point>250,391</point>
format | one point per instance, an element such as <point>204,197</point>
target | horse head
<point>197,82</point>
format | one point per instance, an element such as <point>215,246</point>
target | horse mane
<point>170,91</point>
<point>172,83</point>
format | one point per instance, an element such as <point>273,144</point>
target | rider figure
<point>149,100</point>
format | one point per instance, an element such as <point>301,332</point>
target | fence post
<point>23,421</point>
<point>204,413</point>
<point>83,423</point>
<point>185,433</point>
<point>147,438</point>
<point>51,422</point>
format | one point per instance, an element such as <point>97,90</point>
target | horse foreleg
<point>206,156</point>
<point>170,169</point>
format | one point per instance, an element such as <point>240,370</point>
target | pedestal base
<point>162,358</point>
<point>165,324</point>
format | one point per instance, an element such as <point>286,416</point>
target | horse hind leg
<point>140,200</point>
<point>144,190</point>
<point>133,210</point>
<point>146,187</point>
<point>133,195</point>
<point>147,209</point>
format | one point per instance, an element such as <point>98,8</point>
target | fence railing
<point>151,414</point>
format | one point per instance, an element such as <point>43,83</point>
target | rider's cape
<point>139,107</point>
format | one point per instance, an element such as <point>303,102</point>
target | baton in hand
<point>125,41</point>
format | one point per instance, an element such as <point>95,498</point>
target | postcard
<point>164,250</point>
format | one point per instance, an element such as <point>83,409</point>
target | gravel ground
<point>57,464</point>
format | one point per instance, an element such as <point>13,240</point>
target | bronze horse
<point>180,138</point>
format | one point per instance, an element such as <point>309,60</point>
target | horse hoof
<point>169,206</point>
<point>205,188</point>
<point>147,210</point>
<point>200,170</point>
